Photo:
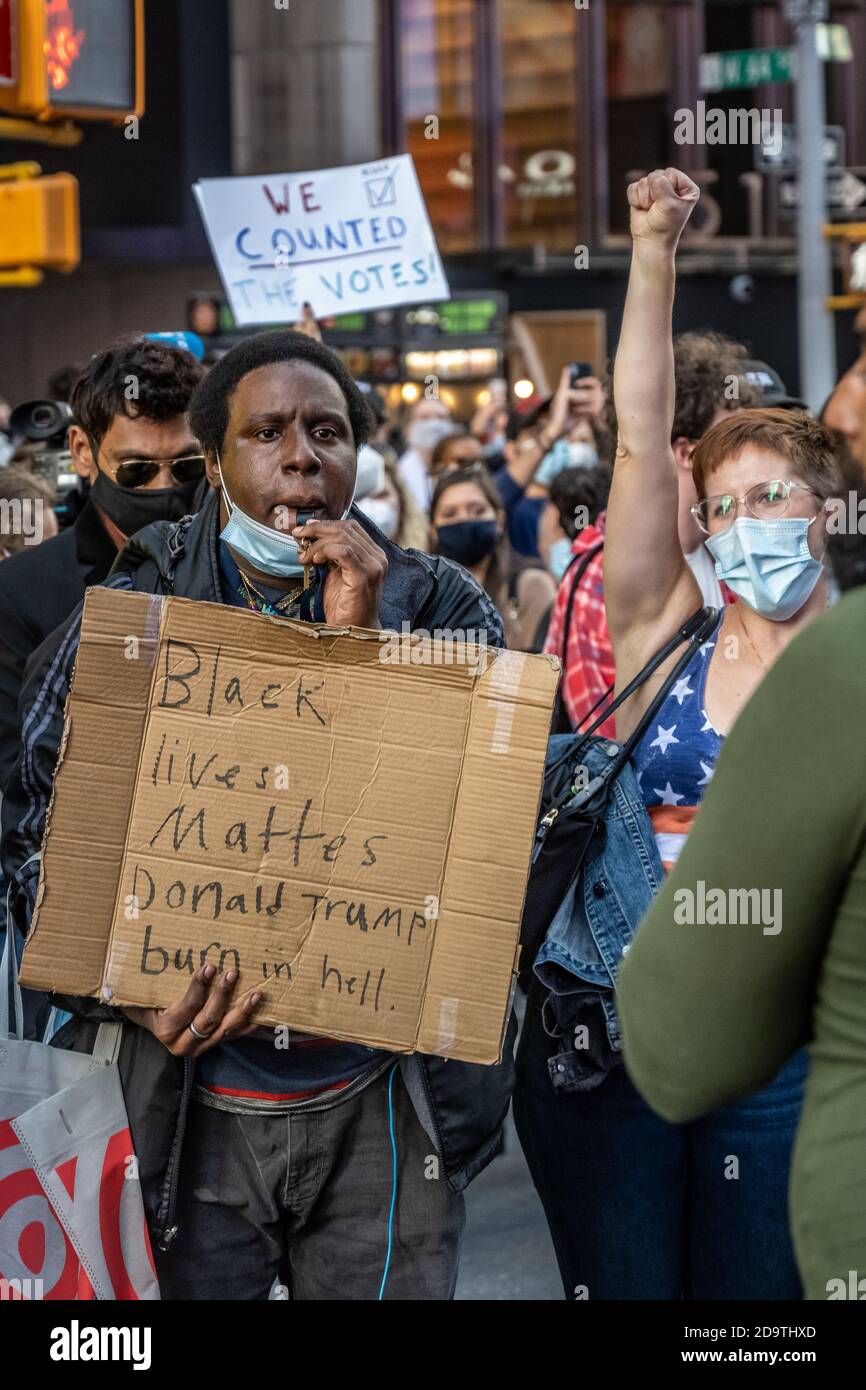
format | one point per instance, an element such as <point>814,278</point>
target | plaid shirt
<point>590,670</point>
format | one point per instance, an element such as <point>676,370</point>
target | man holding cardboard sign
<point>331,1163</point>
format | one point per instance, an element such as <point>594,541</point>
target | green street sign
<point>752,67</point>
<point>745,67</point>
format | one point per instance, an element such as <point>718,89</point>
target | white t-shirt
<point>703,567</point>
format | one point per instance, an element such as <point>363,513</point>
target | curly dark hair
<point>580,487</point>
<point>703,364</point>
<point>210,408</point>
<point>163,377</point>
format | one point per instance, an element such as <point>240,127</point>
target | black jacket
<point>39,588</point>
<point>461,1105</point>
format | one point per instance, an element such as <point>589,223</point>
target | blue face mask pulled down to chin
<point>270,551</point>
<point>767,564</point>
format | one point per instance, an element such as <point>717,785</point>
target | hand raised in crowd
<point>571,404</point>
<point>661,204</point>
<point>209,1007</point>
<point>357,571</point>
<point>308,324</point>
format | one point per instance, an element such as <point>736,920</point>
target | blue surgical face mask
<point>564,455</point>
<point>768,564</point>
<point>559,557</point>
<point>272,552</point>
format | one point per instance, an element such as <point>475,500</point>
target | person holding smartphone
<point>574,409</point>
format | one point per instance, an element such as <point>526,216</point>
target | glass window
<point>540,115</point>
<point>729,28</point>
<point>438,86</point>
<point>639,53</point>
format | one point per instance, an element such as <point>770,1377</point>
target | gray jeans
<point>305,1198</point>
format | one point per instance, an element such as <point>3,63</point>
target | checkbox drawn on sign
<point>381,192</point>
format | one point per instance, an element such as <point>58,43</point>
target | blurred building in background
<point>526,119</point>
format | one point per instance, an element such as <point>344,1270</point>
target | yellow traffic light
<point>39,225</point>
<point>72,59</point>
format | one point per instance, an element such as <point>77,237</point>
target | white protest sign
<point>340,239</point>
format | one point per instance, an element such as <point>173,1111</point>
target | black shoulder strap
<point>694,631</point>
<point>577,567</point>
<point>580,564</point>
<point>700,627</point>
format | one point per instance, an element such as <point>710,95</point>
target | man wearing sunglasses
<point>132,443</point>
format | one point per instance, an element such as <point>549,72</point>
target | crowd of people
<point>592,524</point>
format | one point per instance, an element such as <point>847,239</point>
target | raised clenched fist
<point>661,204</point>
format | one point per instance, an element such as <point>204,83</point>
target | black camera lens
<point>41,421</point>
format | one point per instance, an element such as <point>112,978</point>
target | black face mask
<point>131,508</point>
<point>467,542</point>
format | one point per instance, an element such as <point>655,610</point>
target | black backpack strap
<point>694,632</point>
<point>701,622</point>
<point>696,638</point>
<point>579,564</point>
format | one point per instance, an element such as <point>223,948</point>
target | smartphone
<point>579,370</point>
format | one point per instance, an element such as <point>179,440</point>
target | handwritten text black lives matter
<point>192,832</point>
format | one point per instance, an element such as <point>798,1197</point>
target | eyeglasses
<point>765,502</point>
<point>140,472</point>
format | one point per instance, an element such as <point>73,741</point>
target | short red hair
<point>804,442</point>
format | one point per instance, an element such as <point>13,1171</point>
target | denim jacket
<point>592,929</point>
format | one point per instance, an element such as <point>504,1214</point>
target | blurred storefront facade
<point>526,119</point>
<point>542,111</point>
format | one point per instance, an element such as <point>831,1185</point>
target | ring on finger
<point>196,1034</point>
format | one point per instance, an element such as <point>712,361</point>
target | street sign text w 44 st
<point>746,67</point>
<point>754,67</point>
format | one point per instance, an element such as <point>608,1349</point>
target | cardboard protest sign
<point>346,817</point>
<point>340,239</point>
